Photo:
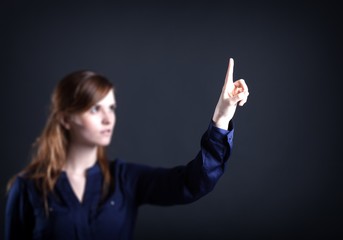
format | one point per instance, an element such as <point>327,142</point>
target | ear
<point>65,121</point>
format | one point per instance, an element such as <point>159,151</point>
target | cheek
<point>86,124</point>
<point>91,124</point>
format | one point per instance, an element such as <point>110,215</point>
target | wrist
<point>222,123</point>
<point>222,116</point>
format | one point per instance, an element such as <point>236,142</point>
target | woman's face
<point>95,126</point>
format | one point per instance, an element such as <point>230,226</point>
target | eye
<point>113,107</point>
<point>95,109</point>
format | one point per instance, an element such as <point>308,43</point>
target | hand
<point>233,93</point>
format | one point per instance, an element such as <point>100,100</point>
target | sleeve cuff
<point>221,134</point>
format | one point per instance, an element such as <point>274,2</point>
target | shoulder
<point>123,165</point>
<point>19,183</point>
<point>22,186</point>
<point>18,189</point>
<point>123,169</point>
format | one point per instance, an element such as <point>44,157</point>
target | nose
<point>107,117</point>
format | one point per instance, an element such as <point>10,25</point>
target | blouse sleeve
<point>18,213</point>
<point>185,184</point>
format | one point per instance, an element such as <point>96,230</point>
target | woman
<point>71,191</point>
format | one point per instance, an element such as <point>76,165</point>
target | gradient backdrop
<point>168,62</point>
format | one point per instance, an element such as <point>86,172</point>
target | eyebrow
<point>113,104</point>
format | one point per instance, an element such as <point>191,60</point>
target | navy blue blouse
<point>134,185</point>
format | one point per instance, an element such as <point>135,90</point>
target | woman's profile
<point>72,190</point>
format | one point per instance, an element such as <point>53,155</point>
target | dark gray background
<point>168,62</point>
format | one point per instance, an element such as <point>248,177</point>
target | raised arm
<point>233,93</point>
<point>184,184</point>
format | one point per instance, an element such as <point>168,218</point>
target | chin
<point>104,144</point>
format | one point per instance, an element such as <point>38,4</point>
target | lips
<point>106,131</point>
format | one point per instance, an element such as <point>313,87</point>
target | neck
<point>80,158</point>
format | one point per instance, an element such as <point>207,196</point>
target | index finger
<point>229,73</point>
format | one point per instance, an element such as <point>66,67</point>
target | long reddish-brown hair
<point>75,93</point>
